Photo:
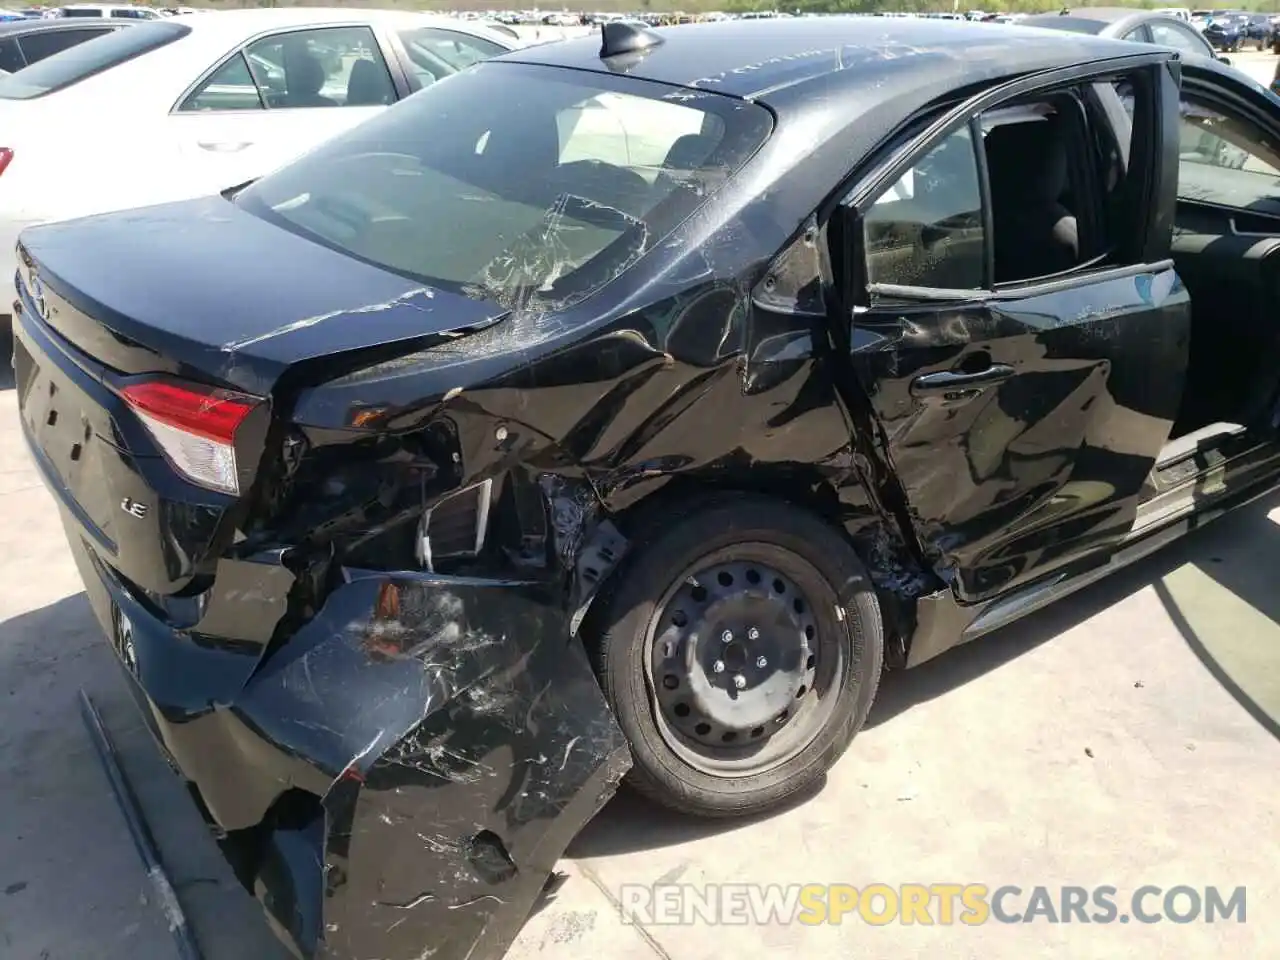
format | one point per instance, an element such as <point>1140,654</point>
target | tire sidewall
<point>633,606</point>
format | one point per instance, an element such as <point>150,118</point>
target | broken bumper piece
<point>399,778</point>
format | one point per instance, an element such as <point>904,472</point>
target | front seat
<point>1035,234</point>
<point>368,85</point>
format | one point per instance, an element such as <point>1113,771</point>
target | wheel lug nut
<point>740,681</point>
<point>761,662</point>
<point>718,666</point>
<point>727,637</point>
<point>753,634</point>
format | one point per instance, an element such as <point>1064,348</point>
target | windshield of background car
<point>516,183</point>
<point>86,59</point>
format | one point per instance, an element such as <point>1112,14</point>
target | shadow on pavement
<point>630,823</point>
<point>73,884</point>
<point>1202,548</point>
<point>1231,626</point>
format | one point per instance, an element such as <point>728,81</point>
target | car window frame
<point>380,41</point>
<point>887,166</point>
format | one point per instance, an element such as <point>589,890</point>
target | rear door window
<point>327,67</point>
<point>230,87</point>
<point>927,229</point>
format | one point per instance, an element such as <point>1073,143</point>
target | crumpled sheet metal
<point>452,730</point>
<point>469,742</point>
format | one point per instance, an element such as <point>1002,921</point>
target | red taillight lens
<point>195,427</point>
<point>6,155</point>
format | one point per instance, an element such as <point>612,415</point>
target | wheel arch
<point>875,539</point>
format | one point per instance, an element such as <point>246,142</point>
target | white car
<point>182,107</point>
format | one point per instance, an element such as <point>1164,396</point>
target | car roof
<point>754,58</point>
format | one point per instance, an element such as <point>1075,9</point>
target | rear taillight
<point>6,156</point>
<point>195,427</point>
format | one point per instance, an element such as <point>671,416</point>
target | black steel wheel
<point>740,650</point>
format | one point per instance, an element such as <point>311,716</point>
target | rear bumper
<point>407,773</point>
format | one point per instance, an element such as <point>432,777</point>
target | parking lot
<point>1129,736</point>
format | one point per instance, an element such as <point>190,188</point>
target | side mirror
<point>1226,60</point>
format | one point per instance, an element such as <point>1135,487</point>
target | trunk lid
<point>149,355</point>
<point>203,285</point>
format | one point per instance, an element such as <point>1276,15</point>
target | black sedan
<point>629,405</point>
<point>23,42</point>
<point>1126,23</point>
<point>1228,31</point>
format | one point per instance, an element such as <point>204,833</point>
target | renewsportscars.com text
<point>970,904</point>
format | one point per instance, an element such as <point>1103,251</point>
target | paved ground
<point>1128,736</point>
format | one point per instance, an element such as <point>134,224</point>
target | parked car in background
<point>1227,31</point>
<point>1123,23</point>
<point>429,482</point>
<point>116,11</point>
<point>195,104</point>
<point>24,42</point>
<point>1259,30</point>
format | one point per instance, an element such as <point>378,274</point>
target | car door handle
<point>959,383</point>
<point>224,146</point>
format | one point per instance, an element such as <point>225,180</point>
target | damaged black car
<point>622,408</point>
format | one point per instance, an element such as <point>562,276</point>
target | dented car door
<point>1022,359</point>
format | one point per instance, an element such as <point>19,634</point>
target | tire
<point>785,547</point>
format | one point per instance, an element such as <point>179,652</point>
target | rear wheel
<point>740,651</point>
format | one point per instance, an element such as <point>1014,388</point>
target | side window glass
<point>230,87</point>
<point>37,46</point>
<point>11,60</point>
<point>328,67</point>
<point>435,53</point>
<point>1167,35</point>
<point>1225,159</point>
<point>926,229</point>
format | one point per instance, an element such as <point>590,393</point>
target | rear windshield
<point>515,183</point>
<point>85,59</point>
